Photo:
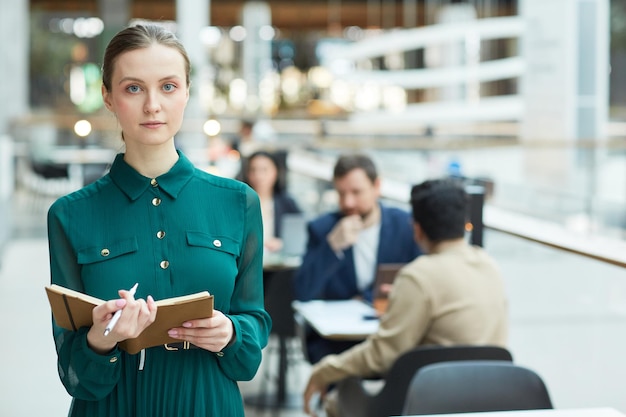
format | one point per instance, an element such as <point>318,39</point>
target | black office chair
<point>355,401</point>
<point>278,291</point>
<point>475,386</point>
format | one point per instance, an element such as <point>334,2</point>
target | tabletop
<point>78,155</point>
<point>273,261</point>
<point>339,319</point>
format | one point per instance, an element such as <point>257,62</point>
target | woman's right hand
<point>136,316</point>
<point>273,244</point>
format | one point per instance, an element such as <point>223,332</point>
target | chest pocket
<point>223,244</point>
<point>106,251</point>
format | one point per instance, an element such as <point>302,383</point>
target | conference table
<point>352,320</point>
<point>572,412</point>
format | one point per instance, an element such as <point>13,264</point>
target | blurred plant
<point>618,25</point>
<point>51,60</point>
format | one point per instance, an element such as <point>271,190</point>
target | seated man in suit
<point>453,294</point>
<point>345,247</point>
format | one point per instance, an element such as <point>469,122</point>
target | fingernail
<point>120,303</point>
<point>172,333</point>
<point>150,298</point>
<point>186,324</point>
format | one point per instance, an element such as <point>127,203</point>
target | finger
<point>152,306</point>
<point>356,218</point>
<point>126,295</point>
<point>113,305</point>
<point>143,307</point>
<point>104,312</point>
<point>217,319</point>
<point>146,315</point>
<point>205,323</point>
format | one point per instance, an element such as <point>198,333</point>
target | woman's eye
<point>169,87</point>
<point>133,89</point>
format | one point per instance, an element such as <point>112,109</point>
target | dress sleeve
<point>397,333</point>
<point>85,374</point>
<point>252,323</point>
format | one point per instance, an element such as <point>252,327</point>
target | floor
<point>568,323</point>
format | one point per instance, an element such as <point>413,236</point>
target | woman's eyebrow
<point>169,77</point>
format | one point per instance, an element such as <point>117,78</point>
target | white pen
<point>118,313</point>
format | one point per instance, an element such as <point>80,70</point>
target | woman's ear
<point>106,98</point>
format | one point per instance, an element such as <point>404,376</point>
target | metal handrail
<point>604,249</point>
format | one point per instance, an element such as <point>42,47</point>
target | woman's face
<point>148,94</point>
<point>262,174</point>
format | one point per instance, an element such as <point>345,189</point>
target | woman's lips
<point>152,125</point>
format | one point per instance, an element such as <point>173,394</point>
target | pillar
<point>191,17</point>
<point>565,87</point>
<point>14,32</point>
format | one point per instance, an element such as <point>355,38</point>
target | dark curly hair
<point>441,208</point>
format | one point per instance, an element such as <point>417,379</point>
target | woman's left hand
<point>211,333</point>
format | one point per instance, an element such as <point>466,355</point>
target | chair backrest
<point>390,399</point>
<point>475,386</point>
<point>278,292</point>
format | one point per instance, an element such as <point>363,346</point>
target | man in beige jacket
<point>452,295</point>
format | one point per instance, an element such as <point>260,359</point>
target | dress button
<point>105,252</point>
<point>217,243</point>
<point>160,234</point>
<point>154,183</point>
<point>113,359</point>
<point>220,354</point>
<point>164,264</point>
<point>156,201</point>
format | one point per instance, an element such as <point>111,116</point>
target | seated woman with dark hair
<point>262,173</point>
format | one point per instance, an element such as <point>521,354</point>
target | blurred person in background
<point>345,247</point>
<point>263,173</point>
<point>453,294</point>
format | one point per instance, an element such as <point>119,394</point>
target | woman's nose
<point>152,104</point>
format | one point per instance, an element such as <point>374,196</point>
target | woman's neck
<point>151,161</point>
<point>265,195</point>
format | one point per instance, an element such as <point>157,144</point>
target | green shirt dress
<point>183,232</point>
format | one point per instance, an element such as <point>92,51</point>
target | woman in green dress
<point>156,220</point>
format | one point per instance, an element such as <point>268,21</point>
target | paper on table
<point>339,319</point>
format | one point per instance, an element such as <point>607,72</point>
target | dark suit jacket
<point>323,275</point>
<point>283,204</point>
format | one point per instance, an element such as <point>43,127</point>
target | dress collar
<point>133,184</point>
